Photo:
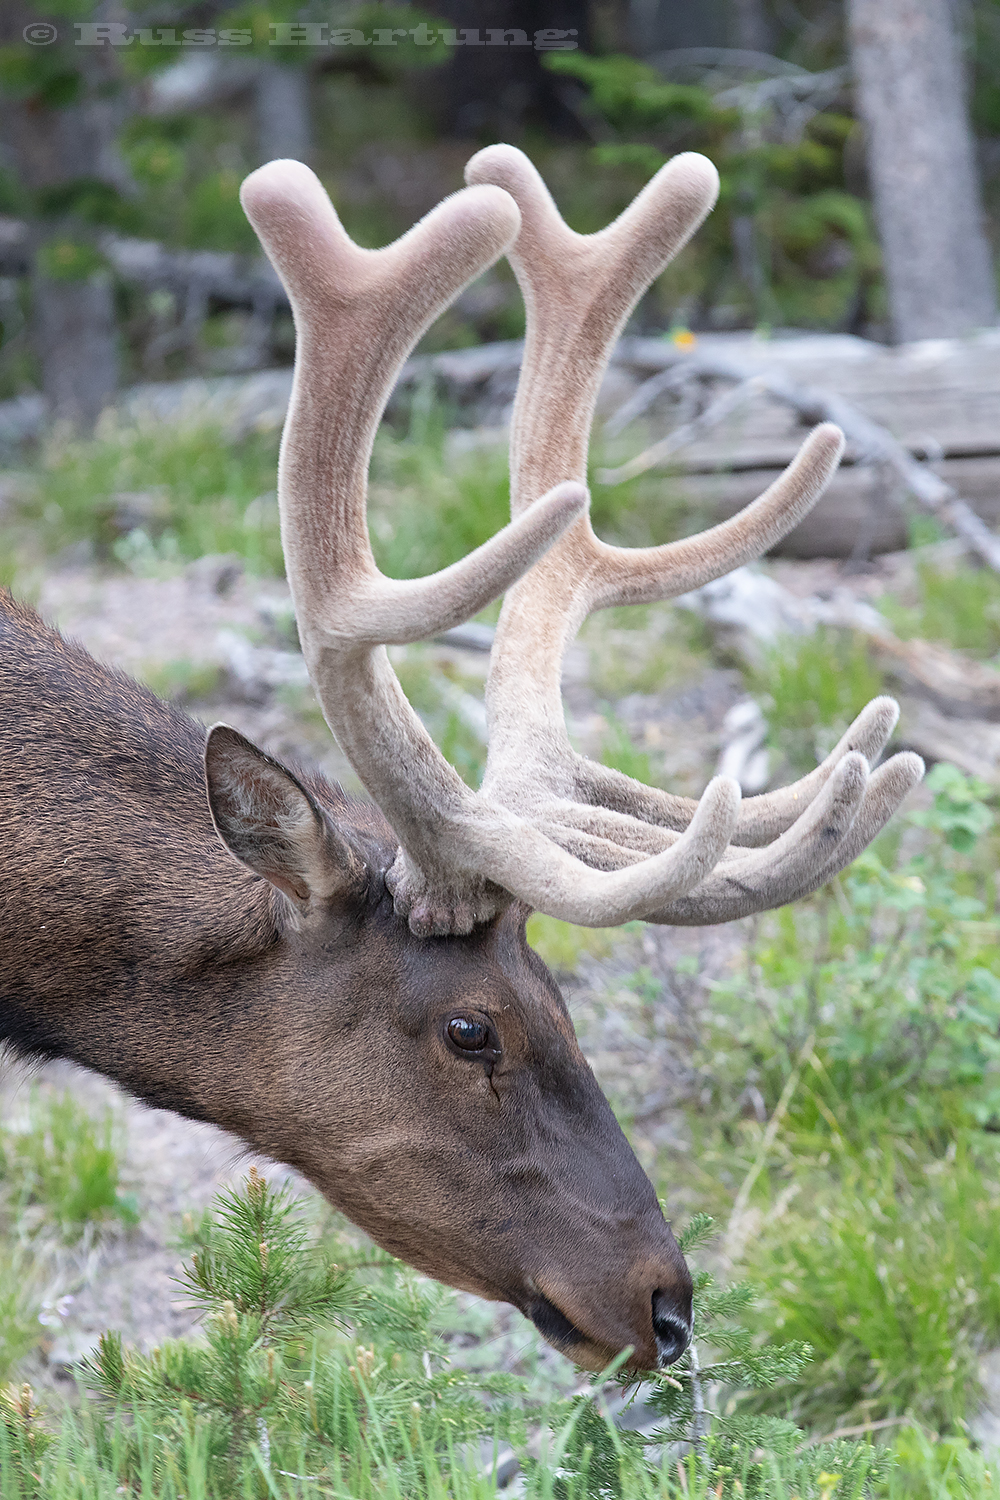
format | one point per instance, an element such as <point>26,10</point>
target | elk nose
<point>672,1331</point>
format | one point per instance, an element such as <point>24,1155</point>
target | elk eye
<point>468,1034</point>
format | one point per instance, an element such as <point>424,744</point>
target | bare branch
<point>813,404</point>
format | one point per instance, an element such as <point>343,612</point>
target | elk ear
<point>265,816</point>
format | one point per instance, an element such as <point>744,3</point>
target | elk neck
<point>134,943</point>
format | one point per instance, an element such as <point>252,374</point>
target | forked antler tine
<point>358,314</point>
<point>809,845</point>
<point>740,888</point>
<point>578,291</point>
<point>557,883</point>
<point>762,818</point>
<point>607,836</point>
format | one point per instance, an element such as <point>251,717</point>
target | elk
<point>345,984</point>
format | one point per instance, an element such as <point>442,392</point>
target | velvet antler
<point>548,827</point>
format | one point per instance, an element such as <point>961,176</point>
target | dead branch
<point>238,280</point>
<point>874,443</point>
<point>208,274</point>
<point>660,452</point>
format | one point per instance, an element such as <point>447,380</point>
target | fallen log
<point>722,467</point>
<point>873,442</point>
<point>234,280</point>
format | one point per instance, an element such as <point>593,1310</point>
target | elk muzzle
<point>647,1309</point>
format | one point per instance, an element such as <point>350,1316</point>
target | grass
<point>153,495</point>
<point>892,973</point>
<point>19,1327</point>
<point>618,751</point>
<point>59,1180</point>
<point>643,649</point>
<point>183,681</point>
<point>561,945</point>
<point>959,607</point>
<point>865,1022</point>
<point>332,1374</point>
<point>888,1265</point>
<point>59,1167</point>
<point>811,687</point>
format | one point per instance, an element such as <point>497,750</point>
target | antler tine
<point>767,878</point>
<point>762,818</point>
<point>358,314</point>
<point>595,281</point>
<point>554,881</point>
<point>578,291</point>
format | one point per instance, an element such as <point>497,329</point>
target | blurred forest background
<point>858,143</point>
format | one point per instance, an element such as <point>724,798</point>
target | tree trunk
<point>74,328</point>
<point>50,147</point>
<point>492,92</point>
<point>921,161</point>
<point>752,27</point>
<point>281,108</point>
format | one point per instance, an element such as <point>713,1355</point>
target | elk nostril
<point>673,1333</point>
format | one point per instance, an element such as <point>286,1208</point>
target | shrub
<point>719,1451</point>
<point>892,972</point>
<point>890,1269</point>
<point>151,493</point>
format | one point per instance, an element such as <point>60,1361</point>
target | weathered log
<point>872,442</point>
<point>860,513</point>
<point>951,703</point>
<point>945,396</point>
<point>236,280</point>
<point>956,685</point>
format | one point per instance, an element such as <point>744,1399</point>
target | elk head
<point>467,1133</point>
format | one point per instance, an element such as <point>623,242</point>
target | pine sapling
<point>723,1454</point>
